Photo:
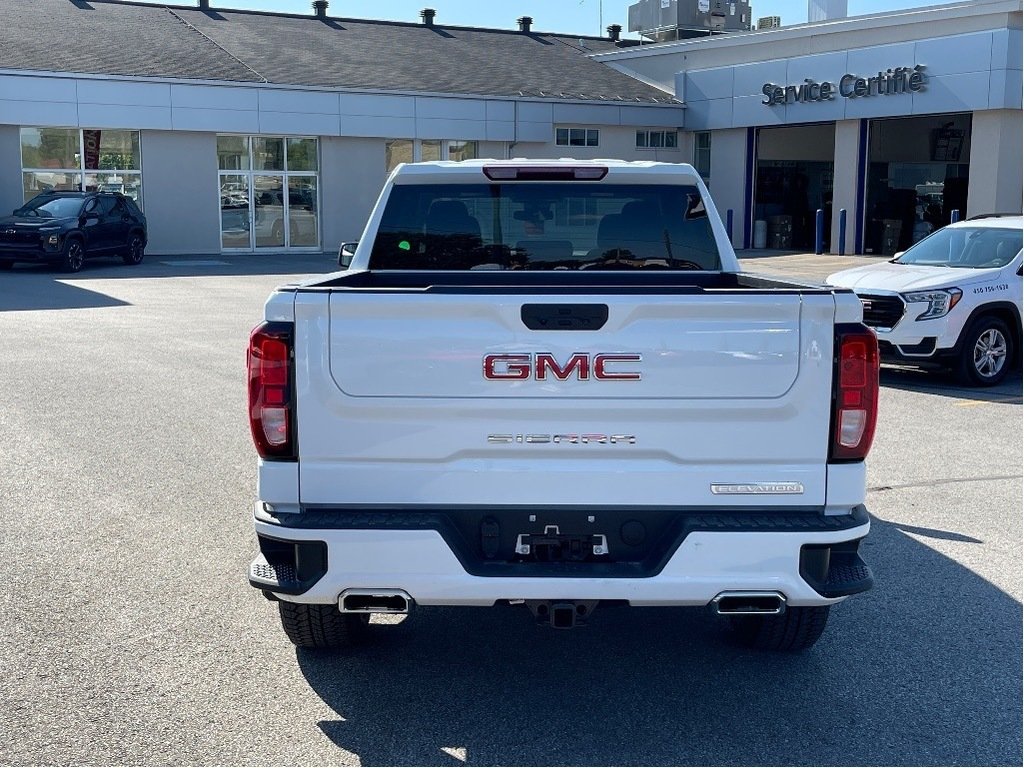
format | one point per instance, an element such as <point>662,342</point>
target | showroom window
<point>83,160</point>
<point>463,150</point>
<point>657,139</point>
<point>397,151</point>
<point>702,154</point>
<point>423,150</point>
<point>269,192</point>
<point>577,137</point>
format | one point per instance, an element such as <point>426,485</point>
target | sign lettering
<point>850,86</point>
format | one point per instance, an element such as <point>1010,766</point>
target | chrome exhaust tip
<point>748,603</point>
<point>374,601</point>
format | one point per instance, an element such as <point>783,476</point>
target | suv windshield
<point>50,207</point>
<point>965,248</point>
<point>540,225</point>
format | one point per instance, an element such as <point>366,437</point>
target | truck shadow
<point>945,384</point>
<point>925,669</point>
<point>30,287</point>
<point>20,293</point>
<point>299,264</point>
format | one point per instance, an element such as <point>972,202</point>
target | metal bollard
<point>954,216</point>
<point>728,223</point>
<point>819,231</point>
<point>842,231</point>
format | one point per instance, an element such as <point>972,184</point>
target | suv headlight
<point>939,301</point>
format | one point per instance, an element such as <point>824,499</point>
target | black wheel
<point>794,630</point>
<point>73,256</point>
<point>134,250</point>
<point>987,352</point>
<point>321,626</point>
<point>6,265</point>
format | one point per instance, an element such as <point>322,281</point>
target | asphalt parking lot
<point>132,636</point>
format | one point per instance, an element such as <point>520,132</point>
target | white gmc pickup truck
<point>548,383</point>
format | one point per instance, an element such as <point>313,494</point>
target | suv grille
<point>12,235</point>
<point>882,311</point>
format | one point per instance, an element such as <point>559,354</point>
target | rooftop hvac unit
<point>769,22</point>
<point>662,20</point>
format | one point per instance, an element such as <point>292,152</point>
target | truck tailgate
<point>705,396</point>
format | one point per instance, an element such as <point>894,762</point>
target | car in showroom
<point>952,300</point>
<point>66,228</point>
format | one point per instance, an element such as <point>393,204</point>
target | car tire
<point>72,258</point>
<point>986,352</point>
<point>796,629</point>
<point>6,265</point>
<point>135,250</point>
<point>321,626</point>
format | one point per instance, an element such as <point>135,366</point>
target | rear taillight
<point>856,394</point>
<point>271,405</point>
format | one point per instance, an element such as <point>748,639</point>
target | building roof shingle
<point>174,41</point>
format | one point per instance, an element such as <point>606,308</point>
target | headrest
<point>447,209</point>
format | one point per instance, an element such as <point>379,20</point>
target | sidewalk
<point>806,266</point>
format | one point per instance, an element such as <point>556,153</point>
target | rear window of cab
<point>544,226</point>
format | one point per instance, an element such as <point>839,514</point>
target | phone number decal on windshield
<point>992,288</point>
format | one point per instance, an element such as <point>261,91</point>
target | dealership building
<point>243,132</point>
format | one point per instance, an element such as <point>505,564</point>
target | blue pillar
<point>862,173</point>
<point>954,216</point>
<point>728,224</point>
<point>842,231</point>
<point>819,231</point>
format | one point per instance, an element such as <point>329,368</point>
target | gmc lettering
<point>539,365</point>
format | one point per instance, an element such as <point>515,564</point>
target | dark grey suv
<point>66,228</point>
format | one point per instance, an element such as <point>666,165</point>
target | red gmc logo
<point>540,365</point>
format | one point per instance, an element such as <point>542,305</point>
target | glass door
<point>235,218</point>
<point>269,192</point>
<point>302,212</point>
<point>269,215</point>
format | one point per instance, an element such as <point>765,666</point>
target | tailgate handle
<point>564,317</point>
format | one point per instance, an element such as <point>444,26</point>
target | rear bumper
<point>809,557</point>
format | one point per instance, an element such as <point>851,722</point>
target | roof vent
<point>428,14</point>
<point>614,31</point>
<point>204,5</point>
<point>524,23</point>
<point>320,8</point>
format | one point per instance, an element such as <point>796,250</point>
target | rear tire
<point>987,353</point>
<point>794,630</point>
<point>321,626</point>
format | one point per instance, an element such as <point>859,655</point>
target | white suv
<point>953,299</point>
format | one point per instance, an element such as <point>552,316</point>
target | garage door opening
<point>795,168</point>
<point>917,176</point>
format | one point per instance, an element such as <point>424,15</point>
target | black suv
<point>66,228</point>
